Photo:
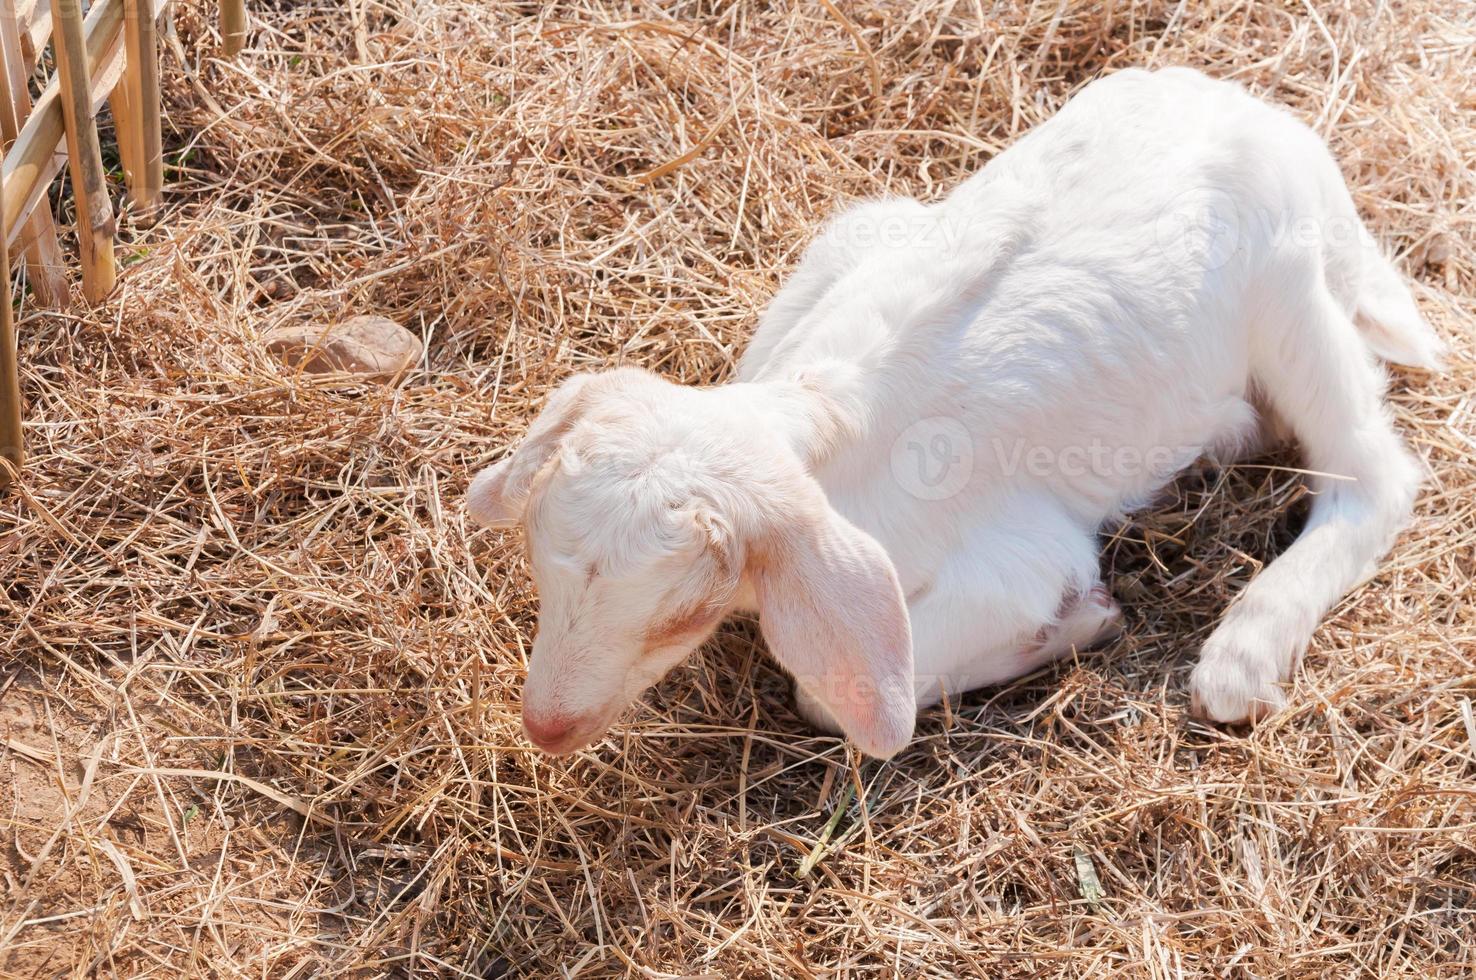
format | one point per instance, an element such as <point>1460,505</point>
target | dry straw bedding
<point>259,688</point>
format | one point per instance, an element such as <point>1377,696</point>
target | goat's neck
<point>816,412</point>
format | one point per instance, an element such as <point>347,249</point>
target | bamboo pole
<point>126,128</point>
<point>233,26</point>
<point>142,82</point>
<point>12,443</point>
<point>45,268</point>
<point>95,225</point>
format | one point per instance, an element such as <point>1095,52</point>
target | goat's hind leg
<point>1318,375</point>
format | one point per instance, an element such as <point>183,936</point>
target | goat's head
<point>651,511</point>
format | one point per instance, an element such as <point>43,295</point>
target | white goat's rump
<point>945,403</point>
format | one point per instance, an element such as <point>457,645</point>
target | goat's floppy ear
<point>498,495</point>
<point>833,613</point>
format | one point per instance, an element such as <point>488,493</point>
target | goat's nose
<point>547,731</point>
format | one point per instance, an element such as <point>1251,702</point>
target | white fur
<point>945,403</point>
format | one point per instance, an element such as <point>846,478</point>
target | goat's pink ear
<point>833,613</point>
<point>499,494</point>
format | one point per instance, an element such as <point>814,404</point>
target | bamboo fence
<point>109,55</point>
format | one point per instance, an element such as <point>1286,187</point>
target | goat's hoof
<point>1233,690</point>
<point>1107,615</point>
<point>1082,622</point>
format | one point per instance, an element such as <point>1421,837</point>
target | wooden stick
<point>95,225</point>
<point>12,442</point>
<point>233,26</point>
<point>141,41</point>
<point>126,128</point>
<point>45,268</point>
<point>124,120</point>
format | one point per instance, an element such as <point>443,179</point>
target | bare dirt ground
<point>259,680</point>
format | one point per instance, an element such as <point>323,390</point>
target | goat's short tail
<point>1388,319</point>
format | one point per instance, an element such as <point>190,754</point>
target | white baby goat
<point>945,403</point>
